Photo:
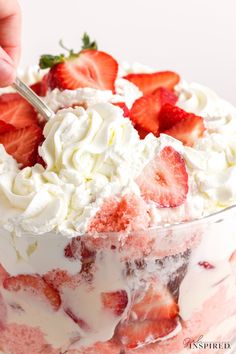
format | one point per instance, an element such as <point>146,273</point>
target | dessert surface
<point>91,258</point>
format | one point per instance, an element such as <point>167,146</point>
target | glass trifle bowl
<point>161,290</point>
<point>117,216</point>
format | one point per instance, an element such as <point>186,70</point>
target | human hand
<point>10,33</point>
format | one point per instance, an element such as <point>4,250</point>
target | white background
<point>196,38</point>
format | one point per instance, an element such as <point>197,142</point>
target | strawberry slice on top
<point>145,110</point>
<point>165,180</point>
<point>188,130</point>
<point>17,112</point>
<point>87,68</point>
<point>148,83</point>
<point>23,144</point>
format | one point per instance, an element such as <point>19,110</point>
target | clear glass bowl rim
<point>208,219</point>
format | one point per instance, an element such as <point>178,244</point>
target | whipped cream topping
<point>94,152</point>
<point>90,155</point>
<point>125,92</point>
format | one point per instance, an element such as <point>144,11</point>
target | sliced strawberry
<point>123,106</point>
<point>148,83</point>
<point>157,304</point>
<point>166,96</point>
<point>165,180</point>
<point>141,132</point>
<point>188,130</point>
<point>171,115</point>
<point>9,97</point>
<point>206,265</point>
<point>144,113</point>
<point>57,278</point>
<point>36,286</point>
<point>23,144</point>
<point>3,274</point>
<point>116,302</point>
<point>41,87</point>
<point>5,127</point>
<point>81,323</point>
<point>134,334</point>
<point>145,110</point>
<point>90,68</point>
<point>18,113</point>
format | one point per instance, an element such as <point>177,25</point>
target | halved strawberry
<point>188,130</point>
<point>23,144</point>
<point>148,83</point>
<point>134,334</point>
<point>41,87</point>
<point>116,301</point>
<point>171,115</point>
<point>89,68</point>
<point>35,285</point>
<point>123,106</point>
<point>165,180</point>
<point>17,112</point>
<point>157,304</point>
<point>145,110</point>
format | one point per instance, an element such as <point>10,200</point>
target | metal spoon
<point>30,96</point>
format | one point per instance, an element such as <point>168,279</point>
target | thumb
<point>7,69</point>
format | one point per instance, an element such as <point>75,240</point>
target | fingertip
<point>7,73</point>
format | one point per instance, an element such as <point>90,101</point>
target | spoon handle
<point>32,98</point>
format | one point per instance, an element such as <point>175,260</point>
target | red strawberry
<point>141,132</point>
<point>206,265</point>
<point>5,127</point>
<point>57,278</point>
<point>134,334</point>
<point>3,274</point>
<point>90,68</point>
<point>148,83</point>
<point>9,97</point>
<point>165,180</point>
<point>188,130</point>
<point>145,110</point>
<point>35,285</point>
<point>171,115</point>
<point>157,304</point>
<point>116,302</point>
<point>17,112</point>
<point>81,323</point>
<point>41,87</point>
<point>123,106</point>
<point>23,144</point>
<point>166,96</point>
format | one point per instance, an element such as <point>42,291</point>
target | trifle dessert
<point>117,215</point>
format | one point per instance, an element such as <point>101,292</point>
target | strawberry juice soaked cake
<point>117,216</point>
